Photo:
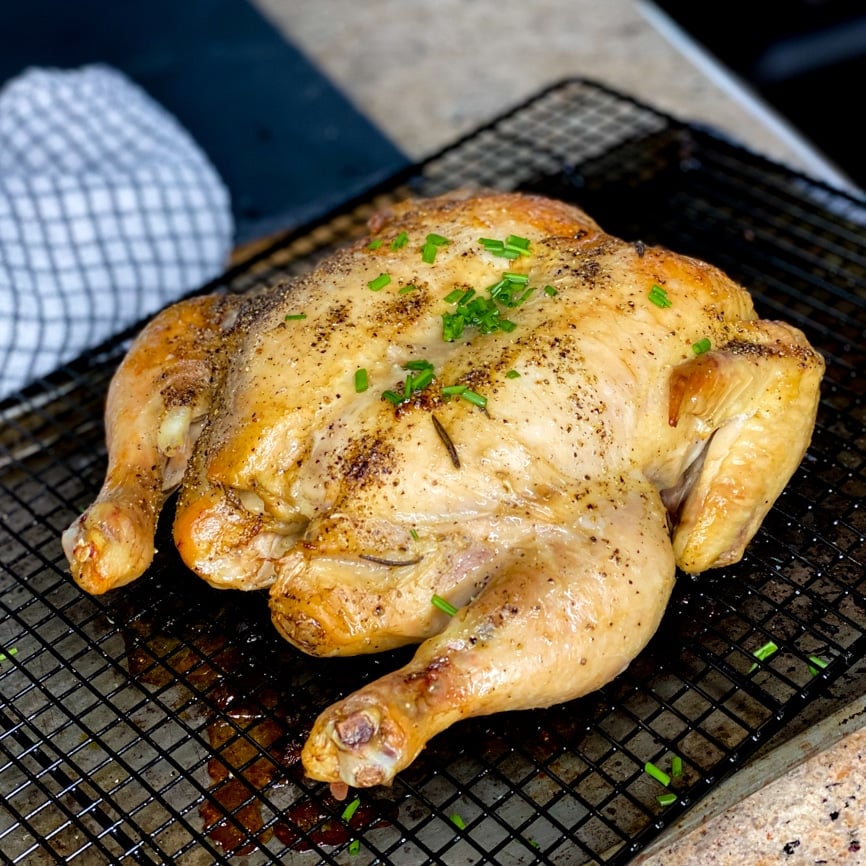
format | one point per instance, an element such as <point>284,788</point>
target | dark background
<point>805,58</point>
<point>290,145</point>
<point>287,143</point>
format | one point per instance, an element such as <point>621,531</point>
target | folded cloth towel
<point>108,211</point>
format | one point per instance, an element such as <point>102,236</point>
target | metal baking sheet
<point>161,723</point>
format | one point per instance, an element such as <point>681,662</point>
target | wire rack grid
<point>162,723</point>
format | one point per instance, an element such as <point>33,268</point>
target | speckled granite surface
<point>428,71</point>
<point>816,813</point>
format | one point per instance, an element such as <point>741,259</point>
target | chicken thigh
<point>489,428</point>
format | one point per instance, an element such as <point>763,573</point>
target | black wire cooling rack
<point>162,723</point>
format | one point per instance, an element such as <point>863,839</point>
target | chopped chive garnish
<point>421,374</point>
<point>361,381</point>
<point>414,534</point>
<point>295,317</point>
<point>424,377</point>
<point>485,314</point>
<point>659,775</point>
<point>355,847</point>
<point>512,374</point>
<point>764,652</point>
<point>422,380</point>
<point>379,283</point>
<point>703,345</point>
<point>533,843</point>
<point>406,289</point>
<point>497,289</point>
<point>453,390</point>
<point>517,241</point>
<point>374,244</point>
<point>458,822</point>
<point>452,327</point>
<point>443,605</point>
<point>511,248</point>
<point>400,241</point>
<point>474,398</point>
<point>515,278</point>
<point>666,799</point>
<point>351,809</point>
<point>550,291</point>
<point>431,247</point>
<point>817,665</point>
<point>676,766</point>
<point>13,651</point>
<point>659,296</point>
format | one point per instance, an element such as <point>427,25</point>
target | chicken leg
<point>568,614</point>
<point>155,404</point>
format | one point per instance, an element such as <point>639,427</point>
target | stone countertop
<point>427,72</point>
<point>802,802</point>
<point>815,813</point>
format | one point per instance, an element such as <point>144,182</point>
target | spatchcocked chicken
<point>488,427</point>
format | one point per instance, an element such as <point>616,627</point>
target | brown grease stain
<point>256,747</point>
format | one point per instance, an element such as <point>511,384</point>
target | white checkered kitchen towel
<point>108,211</point>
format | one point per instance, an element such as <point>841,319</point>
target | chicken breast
<point>489,428</point>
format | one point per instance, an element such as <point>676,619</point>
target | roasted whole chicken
<point>488,428</point>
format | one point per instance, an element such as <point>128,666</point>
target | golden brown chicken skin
<point>488,401</point>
